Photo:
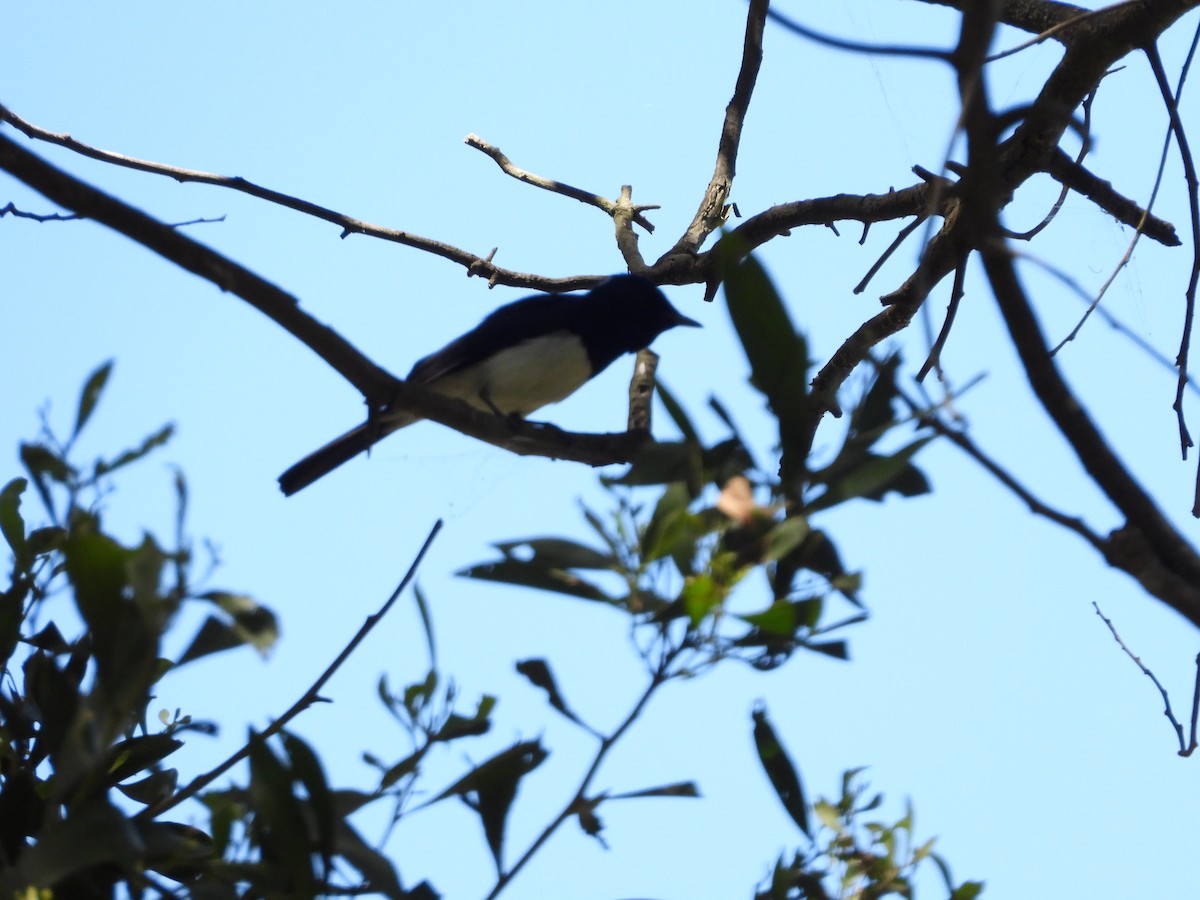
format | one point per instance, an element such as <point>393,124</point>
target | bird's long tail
<point>321,462</point>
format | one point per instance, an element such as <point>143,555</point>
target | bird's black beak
<point>681,319</point>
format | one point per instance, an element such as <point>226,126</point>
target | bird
<point>523,356</point>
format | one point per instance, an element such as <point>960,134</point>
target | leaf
<point>678,789</point>
<point>154,787</point>
<point>279,828</point>
<point>92,389</point>
<point>91,835</point>
<point>874,414</point>
<point>491,787</point>
<point>664,462</point>
<point>677,414</point>
<point>373,866</point>
<point>157,439</point>
<point>426,624</point>
<point>306,767</point>
<point>836,649</point>
<point>777,353</point>
<point>538,571</point>
<point>783,775</point>
<point>133,755</point>
<point>876,475</point>
<point>539,674</point>
<point>12,526</point>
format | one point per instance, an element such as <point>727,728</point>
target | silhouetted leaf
<point>157,439</point>
<point>538,672</point>
<point>154,787</point>
<point>836,649</point>
<point>92,835</point>
<point>678,789</point>
<point>307,769</point>
<point>491,787</point>
<point>875,475</point>
<point>92,389</point>
<point>783,775</point>
<point>12,526</point>
<point>426,624</point>
<point>777,353</point>
<point>544,569</point>
<point>664,462</point>
<point>677,414</point>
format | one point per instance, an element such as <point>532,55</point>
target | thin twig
<point>662,674</point>
<point>934,359</point>
<point>1193,185</point>
<point>856,46</point>
<point>963,441</point>
<point>475,265</point>
<point>900,238</point>
<point>1184,748</point>
<point>382,391</point>
<point>307,699</point>
<point>557,187</point>
<point>9,209</point>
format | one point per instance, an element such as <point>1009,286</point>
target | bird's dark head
<point>628,312</point>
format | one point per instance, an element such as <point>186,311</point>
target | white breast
<point>523,378</point>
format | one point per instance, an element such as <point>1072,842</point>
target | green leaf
<point>92,389</point>
<point>829,815</point>
<point>157,439</point>
<point>700,596</point>
<point>12,526</point>
<point>664,462</point>
<point>136,754</point>
<point>875,475</point>
<point>92,835</point>
<point>786,537</point>
<point>780,770</point>
<point>677,414</point>
<point>491,787</point>
<point>377,870</point>
<point>306,767</point>
<point>777,353</point>
<point>279,828</point>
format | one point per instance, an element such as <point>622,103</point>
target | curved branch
<point>549,184</point>
<point>478,266</point>
<point>712,212</point>
<point>382,391</point>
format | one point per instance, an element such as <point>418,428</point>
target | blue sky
<point>984,687</point>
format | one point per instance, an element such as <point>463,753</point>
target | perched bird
<point>523,356</point>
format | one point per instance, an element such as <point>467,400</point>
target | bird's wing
<point>509,325</point>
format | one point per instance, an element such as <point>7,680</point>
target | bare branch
<point>382,391</point>
<point>478,266</point>
<point>11,210</point>
<point>70,193</point>
<point>963,441</point>
<point>1071,175</point>
<point>712,212</point>
<point>837,43</point>
<point>557,187</point>
<point>311,696</point>
<point>1184,749</point>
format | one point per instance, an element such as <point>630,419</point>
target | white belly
<point>523,378</point>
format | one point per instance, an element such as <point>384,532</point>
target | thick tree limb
<point>382,390</point>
